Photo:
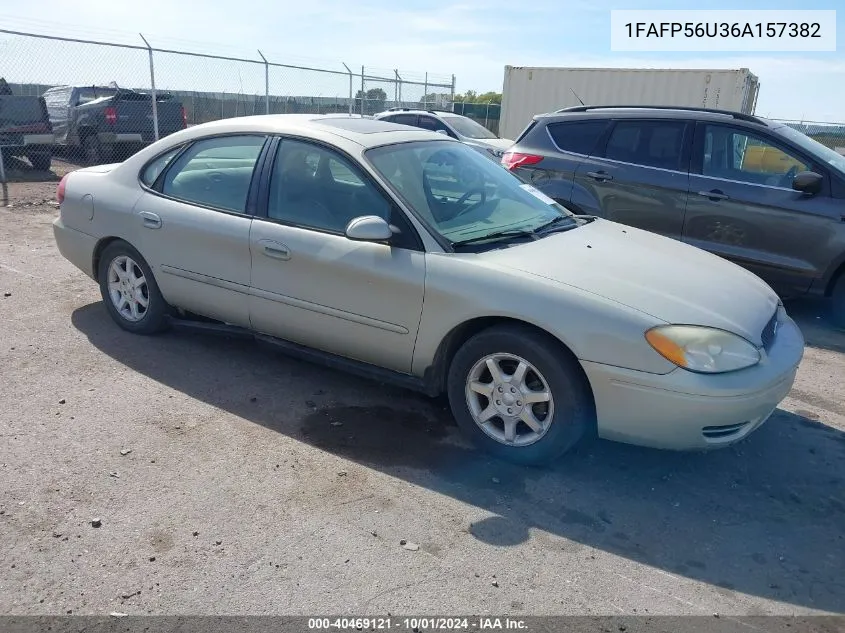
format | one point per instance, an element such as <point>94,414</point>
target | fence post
<point>362,91</point>
<point>398,86</point>
<point>152,86</point>
<point>452,97</point>
<point>351,100</point>
<point>266,84</point>
<point>425,93</point>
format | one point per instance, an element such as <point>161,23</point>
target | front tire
<point>129,290</point>
<point>517,394</point>
<point>41,161</point>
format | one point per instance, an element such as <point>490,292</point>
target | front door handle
<point>714,195</point>
<point>150,220</point>
<point>601,176</point>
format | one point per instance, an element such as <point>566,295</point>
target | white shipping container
<point>528,91</point>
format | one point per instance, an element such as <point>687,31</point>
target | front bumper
<point>682,410</point>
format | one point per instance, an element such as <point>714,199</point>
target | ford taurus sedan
<point>406,256</point>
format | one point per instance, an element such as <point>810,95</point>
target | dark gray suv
<point>752,190</point>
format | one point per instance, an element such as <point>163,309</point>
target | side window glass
<point>735,155</point>
<point>647,143</point>
<point>430,123</point>
<point>579,137</point>
<point>317,188</point>
<point>152,171</point>
<point>406,119</point>
<point>215,172</point>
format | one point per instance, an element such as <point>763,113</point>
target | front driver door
<point>314,286</point>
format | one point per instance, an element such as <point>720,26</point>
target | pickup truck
<point>25,128</point>
<point>97,122</point>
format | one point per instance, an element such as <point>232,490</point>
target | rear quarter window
<point>579,137</point>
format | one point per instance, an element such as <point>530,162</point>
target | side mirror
<point>808,182</point>
<point>442,131</point>
<point>368,228</point>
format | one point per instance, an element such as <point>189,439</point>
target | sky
<point>472,39</point>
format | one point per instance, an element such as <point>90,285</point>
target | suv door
<point>314,286</point>
<point>639,176</point>
<point>742,206</point>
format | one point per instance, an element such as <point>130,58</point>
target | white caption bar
<point>723,31</point>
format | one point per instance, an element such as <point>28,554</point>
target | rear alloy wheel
<point>129,290</point>
<point>519,397</point>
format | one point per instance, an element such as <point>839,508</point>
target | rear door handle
<point>150,220</point>
<point>714,195</point>
<point>601,176</point>
<point>275,250</point>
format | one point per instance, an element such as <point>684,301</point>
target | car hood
<point>667,279</point>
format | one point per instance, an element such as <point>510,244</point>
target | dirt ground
<point>188,474</point>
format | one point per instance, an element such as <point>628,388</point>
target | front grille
<point>768,335</point>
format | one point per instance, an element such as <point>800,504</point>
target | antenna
<point>577,97</point>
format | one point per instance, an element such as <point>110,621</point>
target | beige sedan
<point>406,256</point>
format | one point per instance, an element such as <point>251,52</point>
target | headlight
<point>702,349</point>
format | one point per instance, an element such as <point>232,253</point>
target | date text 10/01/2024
<point>416,624</point>
<point>768,30</point>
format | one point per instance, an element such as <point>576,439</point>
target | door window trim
<point>411,240</point>
<point>249,210</point>
<point>697,162</point>
<point>686,141</point>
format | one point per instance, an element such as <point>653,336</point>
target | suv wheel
<point>519,397</point>
<point>40,161</point>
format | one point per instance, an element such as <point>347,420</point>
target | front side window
<point>648,143</point>
<point>215,172</point>
<point>461,194</point>
<point>734,154</point>
<point>317,188</point>
<point>404,119</point>
<point>430,123</point>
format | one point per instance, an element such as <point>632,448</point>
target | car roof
<point>417,111</point>
<point>363,131</point>
<point>652,112</point>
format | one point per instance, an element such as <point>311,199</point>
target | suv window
<point>736,154</point>
<point>648,143</point>
<point>215,172</point>
<point>579,137</point>
<point>317,188</point>
<point>404,119</point>
<point>430,123</point>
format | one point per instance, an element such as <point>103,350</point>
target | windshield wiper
<point>497,236</point>
<point>553,223</point>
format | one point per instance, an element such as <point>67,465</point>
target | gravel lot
<point>228,479</point>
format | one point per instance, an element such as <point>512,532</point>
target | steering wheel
<point>460,202</point>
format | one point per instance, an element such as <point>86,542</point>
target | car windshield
<point>468,127</point>
<point>463,195</point>
<point>814,148</point>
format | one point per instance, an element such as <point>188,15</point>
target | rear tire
<point>41,162</point>
<point>130,291</point>
<point>538,404</point>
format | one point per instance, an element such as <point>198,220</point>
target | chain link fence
<point>207,86</point>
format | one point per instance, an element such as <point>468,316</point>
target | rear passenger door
<point>639,176</point>
<point>192,224</point>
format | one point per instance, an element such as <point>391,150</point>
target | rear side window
<point>648,143</point>
<point>579,137</point>
<point>153,170</point>
<point>215,172</point>
<point>405,119</point>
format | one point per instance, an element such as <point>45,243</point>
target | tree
<point>471,96</point>
<point>374,100</point>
